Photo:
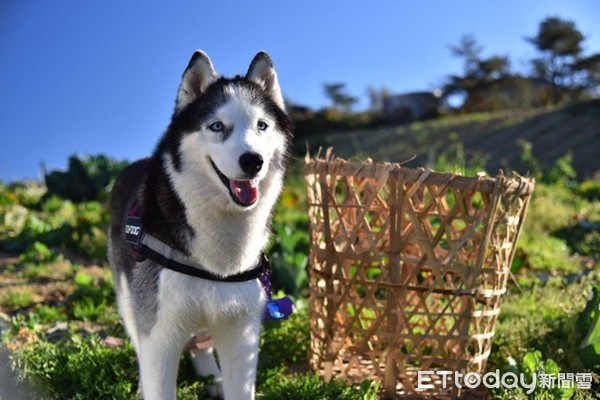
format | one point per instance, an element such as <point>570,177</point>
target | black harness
<point>146,246</point>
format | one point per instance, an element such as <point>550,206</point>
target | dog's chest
<point>201,302</point>
<point>227,245</point>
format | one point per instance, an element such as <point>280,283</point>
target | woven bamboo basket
<point>407,270</point>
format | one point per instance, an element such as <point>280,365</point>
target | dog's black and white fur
<point>207,191</point>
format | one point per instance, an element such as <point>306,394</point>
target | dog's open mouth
<point>243,192</point>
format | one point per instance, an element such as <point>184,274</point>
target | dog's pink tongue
<point>245,191</point>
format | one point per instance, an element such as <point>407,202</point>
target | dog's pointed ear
<point>198,75</point>
<point>263,73</point>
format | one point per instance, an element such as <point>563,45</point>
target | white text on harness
<point>132,230</point>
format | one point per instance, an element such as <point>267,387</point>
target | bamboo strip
<point>407,268</point>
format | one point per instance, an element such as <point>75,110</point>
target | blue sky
<point>101,77</point>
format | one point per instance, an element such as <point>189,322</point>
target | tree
<point>590,68</point>
<point>470,51</point>
<point>86,178</point>
<point>482,78</point>
<point>559,41</point>
<point>559,37</point>
<point>336,92</point>
<point>492,68</point>
<point>377,98</point>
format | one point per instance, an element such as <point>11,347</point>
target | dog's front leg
<point>237,347</point>
<point>158,357</point>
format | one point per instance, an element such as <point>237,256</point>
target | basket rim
<point>517,184</point>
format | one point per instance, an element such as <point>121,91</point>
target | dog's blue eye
<point>217,126</point>
<point>262,125</point>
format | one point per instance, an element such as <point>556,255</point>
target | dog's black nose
<point>251,163</point>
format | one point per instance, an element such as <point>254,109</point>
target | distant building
<point>412,106</point>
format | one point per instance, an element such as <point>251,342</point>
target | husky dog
<point>204,199</point>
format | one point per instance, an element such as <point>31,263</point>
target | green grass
<point>313,387</point>
<point>422,139</point>
<point>545,244</point>
<point>80,368</point>
<point>558,201</point>
<point>542,316</point>
<point>46,314</point>
<point>93,300</point>
<point>544,252</point>
<point>15,299</point>
<point>88,310</point>
<point>285,342</point>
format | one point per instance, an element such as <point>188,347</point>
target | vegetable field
<point>65,339</point>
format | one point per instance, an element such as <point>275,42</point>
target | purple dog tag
<point>275,309</point>
<point>278,309</point>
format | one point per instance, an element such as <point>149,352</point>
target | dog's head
<point>232,131</point>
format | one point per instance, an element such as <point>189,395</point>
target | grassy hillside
<point>484,138</point>
<point>61,331</point>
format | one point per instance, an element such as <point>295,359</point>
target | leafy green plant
<point>541,316</point>
<point>84,367</point>
<point>284,342</point>
<point>81,228</point>
<point>26,193</point>
<point>289,251</point>
<point>37,253</point>
<point>590,189</point>
<point>36,271</point>
<point>532,165</point>
<point>16,299</point>
<point>21,228</point>
<point>589,321</point>
<point>544,244</point>
<point>87,178</point>
<point>543,252</point>
<point>48,314</point>
<point>289,258</point>
<point>88,310</point>
<point>582,242</point>
<point>92,300</point>
<point>455,158</point>
<point>534,364</point>
<point>29,218</point>
<point>89,234</point>
<point>191,390</point>
<point>313,387</point>
<point>80,368</point>
<point>561,172</point>
<point>557,201</point>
